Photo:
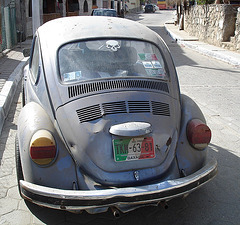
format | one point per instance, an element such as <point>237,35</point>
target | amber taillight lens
<point>198,134</point>
<point>43,147</point>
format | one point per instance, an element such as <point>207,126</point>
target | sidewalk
<point>183,38</point>
<point>12,63</point>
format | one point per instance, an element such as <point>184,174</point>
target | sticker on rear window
<point>147,56</point>
<point>72,76</point>
<point>157,65</point>
<point>113,45</point>
<point>147,65</point>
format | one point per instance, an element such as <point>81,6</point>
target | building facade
<point>52,9</point>
<point>8,31</point>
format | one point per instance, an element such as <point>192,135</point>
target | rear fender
<point>189,158</point>
<point>60,173</point>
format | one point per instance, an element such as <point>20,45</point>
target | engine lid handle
<point>131,129</point>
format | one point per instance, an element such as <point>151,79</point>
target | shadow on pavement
<point>9,127</point>
<point>179,57</point>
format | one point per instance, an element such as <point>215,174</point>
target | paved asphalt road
<point>215,87</point>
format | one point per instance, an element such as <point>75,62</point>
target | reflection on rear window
<point>110,58</point>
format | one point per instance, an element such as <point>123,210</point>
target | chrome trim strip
<point>76,200</point>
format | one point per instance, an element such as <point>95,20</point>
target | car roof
<point>68,29</point>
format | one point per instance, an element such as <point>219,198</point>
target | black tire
<point>18,165</point>
<point>23,95</point>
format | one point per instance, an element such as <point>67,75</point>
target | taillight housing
<point>198,134</point>
<point>43,149</point>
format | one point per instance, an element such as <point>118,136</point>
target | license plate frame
<point>136,148</point>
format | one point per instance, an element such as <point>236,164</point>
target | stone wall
<point>237,32</point>
<point>214,24</point>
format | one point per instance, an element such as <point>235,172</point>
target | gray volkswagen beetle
<point>104,124</point>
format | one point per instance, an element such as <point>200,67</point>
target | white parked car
<point>156,7</point>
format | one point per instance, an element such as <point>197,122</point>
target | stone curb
<point>8,91</point>
<point>176,37</point>
<point>5,52</point>
<point>224,55</point>
<point>205,49</point>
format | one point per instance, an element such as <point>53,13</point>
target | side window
<point>34,64</point>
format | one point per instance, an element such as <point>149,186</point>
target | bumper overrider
<point>90,199</point>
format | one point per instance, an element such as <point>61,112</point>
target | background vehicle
<point>104,124</point>
<point>104,12</point>
<point>162,4</point>
<point>149,8</point>
<point>156,7</point>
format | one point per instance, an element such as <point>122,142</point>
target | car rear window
<point>98,59</point>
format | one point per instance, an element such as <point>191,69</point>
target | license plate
<point>133,149</point>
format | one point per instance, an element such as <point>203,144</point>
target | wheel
<point>18,164</point>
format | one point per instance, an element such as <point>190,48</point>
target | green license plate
<point>133,149</point>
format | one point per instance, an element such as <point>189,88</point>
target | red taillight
<point>43,148</point>
<point>198,134</point>
<point>42,152</point>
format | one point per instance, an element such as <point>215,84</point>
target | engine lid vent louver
<point>89,113</point>
<point>92,87</point>
<point>138,106</point>
<point>93,112</point>
<point>114,107</point>
<point>159,108</point>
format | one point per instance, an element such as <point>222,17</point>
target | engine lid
<point>97,139</point>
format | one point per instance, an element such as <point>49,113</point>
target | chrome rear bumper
<point>89,199</point>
